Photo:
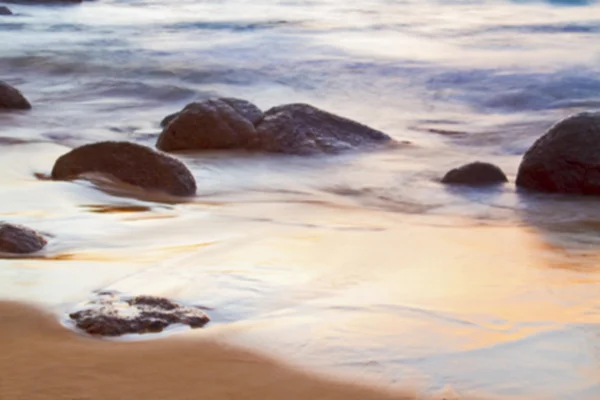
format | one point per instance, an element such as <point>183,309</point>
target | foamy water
<point>363,263</point>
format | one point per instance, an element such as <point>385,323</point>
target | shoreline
<point>42,360</point>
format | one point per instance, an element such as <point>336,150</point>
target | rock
<point>304,129</point>
<point>130,163</point>
<point>209,125</point>
<point>19,239</point>
<point>5,11</point>
<point>566,159</point>
<point>475,174</point>
<point>114,315</point>
<point>243,107</point>
<point>11,98</point>
<point>43,2</point>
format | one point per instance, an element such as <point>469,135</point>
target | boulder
<point>475,174</point>
<point>304,129</point>
<point>566,159</point>
<point>130,163</point>
<point>113,315</point>
<point>209,125</point>
<point>237,124</point>
<point>11,98</point>
<point>19,239</point>
<point>5,11</point>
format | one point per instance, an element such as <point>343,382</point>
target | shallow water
<point>359,263</point>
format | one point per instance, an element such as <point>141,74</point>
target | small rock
<point>19,239</point>
<point>114,315</point>
<point>475,174</point>
<point>304,129</point>
<point>130,163</point>
<point>210,125</point>
<point>12,98</point>
<point>566,159</point>
<point>5,11</point>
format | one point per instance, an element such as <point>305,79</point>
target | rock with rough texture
<point>243,107</point>
<point>18,239</point>
<point>566,159</point>
<point>114,315</point>
<point>5,11</point>
<point>475,174</point>
<point>11,98</point>
<point>129,163</point>
<point>304,129</point>
<point>210,125</point>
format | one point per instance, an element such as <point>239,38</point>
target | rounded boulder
<point>475,174</point>
<point>18,239</point>
<point>566,159</point>
<point>130,163</point>
<point>11,98</point>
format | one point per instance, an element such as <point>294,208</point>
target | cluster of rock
<point>111,314</point>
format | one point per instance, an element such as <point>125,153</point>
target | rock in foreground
<point>11,98</point>
<point>566,159</point>
<point>475,174</point>
<point>5,11</point>
<point>20,240</point>
<point>291,129</point>
<point>112,315</point>
<point>130,163</point>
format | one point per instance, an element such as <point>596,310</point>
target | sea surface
<point>360,264</point>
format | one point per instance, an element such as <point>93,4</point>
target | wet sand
<point>40,359</point>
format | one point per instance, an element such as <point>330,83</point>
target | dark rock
<point>130,163</point>
<point>566,159</point>
<point>304,129</point>
<point>11,98</point>
<point>5,11</point>
<point>112,315</point>
<point>475,174</point>
<point>20,240</point>
<point>211,124</point>
<point>243,107</point>
<point>43,2</point>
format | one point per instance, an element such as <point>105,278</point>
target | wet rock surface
<point>5,11</point>
<point>229,123</point>
<point>566,159</point>
<point>112,314</point>
<point>130,163</point>
<point>304,129</point>
<point>18,239</point>
<point>209,125</point>
<point>475,174</point>
<point>11,98</point>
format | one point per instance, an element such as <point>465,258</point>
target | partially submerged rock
<point>5,11</point>
<point>237,124</point>
<point>209,125</point>
<point>114,315</point>
<point>304,129</point>
<point>566,159</point>
<point>18,239</point>
<point>11,98</point>
<point>130,163</point>
<point>475,174</point>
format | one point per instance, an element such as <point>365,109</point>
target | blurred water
<point>358,263</point>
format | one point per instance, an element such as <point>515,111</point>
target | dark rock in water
<point>566,159</point>
<point>11,98</point>
<point>39,2</point>
<point>5,11</point>
<point>237,124</point>
<point>304,129</point>
<point>19,239</point>
<point>243,107</point>
<point>130,163</point>
<point>111,315</point>
<point>475,174</point>
<point>209,125</point>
